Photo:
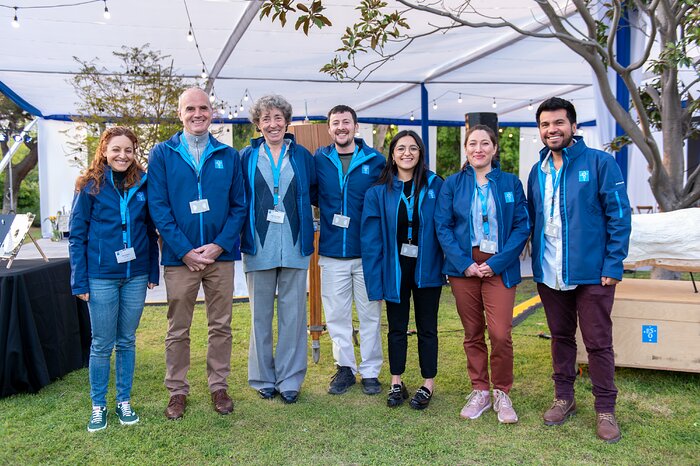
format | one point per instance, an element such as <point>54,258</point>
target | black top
<point>402,218</point>
<point>345,160</point>
<point>118,178</point>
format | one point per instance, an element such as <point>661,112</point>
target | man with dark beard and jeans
<point>580,214</point>
<point>345,171</point>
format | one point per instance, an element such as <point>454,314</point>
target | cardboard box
<point>656,325</point>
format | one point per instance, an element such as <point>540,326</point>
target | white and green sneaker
<point>98,419</point>
<point>127,416</point>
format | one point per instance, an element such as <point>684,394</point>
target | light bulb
<point>204,73</point>
<point>510,135</point>
<point>459,99</point>
<point>412,117</point>
<point>534,139</point>
<point>240,108</point>
<point>212,97</point>
<point>245,97</point>
<point>15,21</point>
<point>434,105</point>
<point>374,131</point>
<point>494,104</point>
<point>190,36</point>
<point>529,106</point>
<point>500,130</point>
<point>230,115</point>
<point>235,113</point>
<point>106,14</point>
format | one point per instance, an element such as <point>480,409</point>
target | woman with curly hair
<point>114,257</point>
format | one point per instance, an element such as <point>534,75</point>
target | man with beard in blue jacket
<point>345,171</point>
<point>197,202</point>
<point>581,226</point>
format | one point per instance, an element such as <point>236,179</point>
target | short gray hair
<point>267,103</point>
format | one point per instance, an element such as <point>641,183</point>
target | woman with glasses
<point>401,257</point>
<point>482,223</point>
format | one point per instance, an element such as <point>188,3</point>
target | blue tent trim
<point>19,101</point>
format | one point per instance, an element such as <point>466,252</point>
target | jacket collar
<point>175,140</point>
<point>494,174</point>
<point>359,142</point>
<point>255,143</point>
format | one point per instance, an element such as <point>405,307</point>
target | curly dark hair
<point>95,172</point>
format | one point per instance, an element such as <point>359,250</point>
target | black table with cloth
<point>44,329</point>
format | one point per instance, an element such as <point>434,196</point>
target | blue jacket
<point>174,182</point>
<point>595,215</point>
<point>380,253</point>
<point>305,176</point>
<point>96,233</point>
<point>338,194</point>
<point>454,223</point>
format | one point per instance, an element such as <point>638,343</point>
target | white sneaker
<point>478,401</point>
<point>504,407</point>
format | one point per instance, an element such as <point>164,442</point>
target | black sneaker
<point>371,386</point>
<point>421,399</point>
<point>341,381</point>
<point>397,394</point>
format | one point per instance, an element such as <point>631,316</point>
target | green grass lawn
<point>659,413</point>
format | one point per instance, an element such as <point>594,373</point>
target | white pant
<point>341,279</point>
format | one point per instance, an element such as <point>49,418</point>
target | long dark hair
<point>419,171</point>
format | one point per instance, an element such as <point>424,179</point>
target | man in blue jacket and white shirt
<point>345,171</point>
<point>197,202</point>
<point>581,215</point>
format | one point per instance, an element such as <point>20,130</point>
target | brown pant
<point>182,286</point>
<point>474,296</point>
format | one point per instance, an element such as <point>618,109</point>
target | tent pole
<point>7,159</point>
<point>424,119</point>
<point>623,44</point>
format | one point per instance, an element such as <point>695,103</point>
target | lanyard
<point>343,179</point>
<point>484,198</point>
<point>276,170</point>
<point>556,179</point>
<point>408,202</point>
<point>123,210</point>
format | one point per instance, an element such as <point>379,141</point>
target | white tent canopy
<point>481,64</point>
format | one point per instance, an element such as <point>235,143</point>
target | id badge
<point>125,255</point>
<point>409,250</point>
<point>341,221</point>
<point>489,247</point>
<point>200,206</point>
<point>275,216</point>
<point>551,230</point>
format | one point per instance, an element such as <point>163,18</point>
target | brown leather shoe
<point>223,404</point>
<point>560,411</point>
<point>176,407</point>
<point>608,429</point>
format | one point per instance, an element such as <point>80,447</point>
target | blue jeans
<point>115,311</point>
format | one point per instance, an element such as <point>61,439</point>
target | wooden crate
<point>656,325</point>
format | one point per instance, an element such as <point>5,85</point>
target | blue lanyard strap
<point>409,202</point>
<point>276,170</point>
<point>484,199</point>
<point>556,179</point>
<point>123,207</point>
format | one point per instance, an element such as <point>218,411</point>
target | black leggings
<point>425,303</point>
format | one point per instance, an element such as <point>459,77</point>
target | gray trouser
<point>285,367</point>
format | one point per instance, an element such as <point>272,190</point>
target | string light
<point>529,107</point>
<point>190,36</point>
<point>374,131</point>
<point>434,105</point>
<point>412,117</point>
<point>212,97</point>
<point>204,74</point>
<point>240,108</point>
<point>245,97</point>
<point>230,115</point>
<point>494,104</point>
<point>500,130</point>
<point>235,113</point>
<point>510,135</point>
<point>459,99</point>
<point>106,14</point>
<point>15,21</point>
<point>534,139</point>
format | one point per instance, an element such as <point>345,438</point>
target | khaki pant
<point>182,286</point>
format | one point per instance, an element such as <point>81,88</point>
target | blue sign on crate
<point>650,334</point>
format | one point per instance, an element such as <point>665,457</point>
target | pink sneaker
<point>504,407</point>
<point>478,401</point>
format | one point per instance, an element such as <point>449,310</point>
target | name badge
<point>409,250</point>
<point>489,247</point>
<point>341,221</point>
<point>275,216</point>
<point>551,230</point>
<point>200,206</point>
<point>125,255</point>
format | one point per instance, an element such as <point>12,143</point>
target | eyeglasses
<point>400,150</point>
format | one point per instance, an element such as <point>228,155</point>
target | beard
<point>348,142</point>
<point>565,142</point>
